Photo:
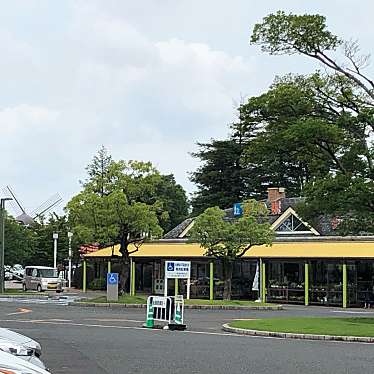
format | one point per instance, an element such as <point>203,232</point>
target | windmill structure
<point>28,218</point>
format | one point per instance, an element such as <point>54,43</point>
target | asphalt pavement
<point>103,340</point>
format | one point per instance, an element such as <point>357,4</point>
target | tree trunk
<point>227,275</point>
<point>124,274</point>
<point>125,268</point>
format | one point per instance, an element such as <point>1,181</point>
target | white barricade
<point>167,309</point>
<point>161,307</point>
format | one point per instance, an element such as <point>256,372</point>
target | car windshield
<point>48,273</point>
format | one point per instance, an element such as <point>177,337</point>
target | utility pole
<point>2,252</point>
<point>55,237</point>
<point>70,235</point>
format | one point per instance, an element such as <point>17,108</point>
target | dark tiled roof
<point>229,215</point>
<point>176,231</point>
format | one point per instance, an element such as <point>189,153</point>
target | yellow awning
<point>320,249</point>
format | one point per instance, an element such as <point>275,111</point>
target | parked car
<point>11,364</point>
<point>21,351</point>
<point>18,271</point>
<point>41,278</point>
<point>23,340</point>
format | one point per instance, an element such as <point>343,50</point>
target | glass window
<point>48,273</point>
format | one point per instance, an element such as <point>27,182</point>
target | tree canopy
<point>228,240</point>
<point>124,203</point>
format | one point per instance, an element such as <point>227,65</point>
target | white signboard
<point>159,301</point>
<point>178,269</point>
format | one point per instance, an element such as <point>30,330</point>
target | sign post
<point>112,286</point>
<point>178,270</point>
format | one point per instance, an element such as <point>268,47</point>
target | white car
<point>21,351</point>
<point>10,364</point>
<point>23,340</point>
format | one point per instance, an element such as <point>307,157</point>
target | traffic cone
<point>178,315</point>
<point>150,321</point>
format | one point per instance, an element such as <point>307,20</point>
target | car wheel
<point>39,288</point>
<point>24,287</point>
<point>59,291</point>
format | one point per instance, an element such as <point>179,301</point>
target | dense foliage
<point>228,240</point>
<point>124,203</point>
<point>312,134</point>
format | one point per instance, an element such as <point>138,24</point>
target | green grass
<point>127,299</point>
<point>311,325</point>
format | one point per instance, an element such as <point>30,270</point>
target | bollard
<point>150,322</point>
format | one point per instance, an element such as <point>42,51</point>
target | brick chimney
<point>275,194</point>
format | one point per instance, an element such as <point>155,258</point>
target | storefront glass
<point>285,281</point>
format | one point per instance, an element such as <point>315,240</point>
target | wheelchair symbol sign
<point>170,266</point>
<point>112,278</point>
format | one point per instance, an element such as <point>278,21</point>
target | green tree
<point>282,33</point>
<point>20,243</point>
<point>228,240</point>
<point>221,179</point>
<point>120,215</point>
<point>173,199</point>
<point>334,126</point>
<point>42,253</point>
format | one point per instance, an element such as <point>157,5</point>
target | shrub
<point>98,284</point>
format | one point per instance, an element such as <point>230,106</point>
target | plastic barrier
<point>166,309</point>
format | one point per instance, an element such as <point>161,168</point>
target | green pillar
<point>344,285</point>
<point>306,283</point>
<point>84,275</point>
<point>211,281</point>
<point>176,287</point>
<point>263,281</point>
<point>133,279</point>
<point>109,267</point>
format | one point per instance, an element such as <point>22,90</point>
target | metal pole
<point>70,234</point>
<point>176,287</point>
<point>2,225</point>
<point>188,288</point>
<point>55,237</point>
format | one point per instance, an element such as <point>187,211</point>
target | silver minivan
<point>41,278</point>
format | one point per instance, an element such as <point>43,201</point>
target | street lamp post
<point>2,207</point>
<point>55,237</point>
<point>70,234</point>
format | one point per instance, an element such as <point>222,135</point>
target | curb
<point>287,335</point>
<point>31,296</point>
<point>201,307</point>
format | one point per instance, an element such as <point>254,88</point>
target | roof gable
<point>289,222</point>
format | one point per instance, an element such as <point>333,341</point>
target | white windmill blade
<point>15,204</point>
<point>46,206</point>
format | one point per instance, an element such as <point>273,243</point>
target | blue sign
<point>170,266</point>
<point>112,278</point>
<point>238,210</point>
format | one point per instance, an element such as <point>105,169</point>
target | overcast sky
<point>146,79</point>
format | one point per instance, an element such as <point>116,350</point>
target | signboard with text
<point>178,269</point>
